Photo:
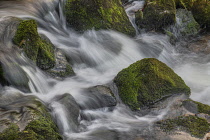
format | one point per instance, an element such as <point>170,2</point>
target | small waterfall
<point>97,56</point>
<point>131,8</point>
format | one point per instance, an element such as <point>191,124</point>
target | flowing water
<point>96,56</point>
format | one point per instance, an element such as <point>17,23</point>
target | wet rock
<point>98,97</point>
<point>200,45</point>
<point>185,26</point>
<point>62,68</point>
<point>84,15</point>
<point>25,117</point>
<point>16,76</point>
<point>193,125</point>
<point>71,108</point>
<point>157,15</point>
<point>190,106</point>
<point>148,81</point>
<point>3,80</point>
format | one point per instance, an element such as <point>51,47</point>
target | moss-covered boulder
<point>98,14</point>
<point>148,81</point>
<point>26,118</point>
<point>158,14</point>
<point>194,125</point>
<point>35,48</point>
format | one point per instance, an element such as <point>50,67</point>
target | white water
<point>97,56</point>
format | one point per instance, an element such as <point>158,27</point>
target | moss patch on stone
<point>148,81</point>
<point>107,14</point>
<point>203,108</point>
<point>196,126</point>
<point>40,127</point>
<point>35,48</point>
<point>158,15</point>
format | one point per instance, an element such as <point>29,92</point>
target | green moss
<point>196,126</point>
<point>27,135</point>
<point>98,14</point>
<point>35,48</point>
<point>201,13</point>
<point>11,133</point>
<point>44,129</point>
<point>158,15</point>
<point>148,81</point>
<point>203,108</point>
<point>200,10</point>
<point>40,127</point>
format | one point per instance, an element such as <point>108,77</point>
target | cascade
<point>97,57</point>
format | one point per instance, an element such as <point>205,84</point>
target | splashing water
<point>97,56</point>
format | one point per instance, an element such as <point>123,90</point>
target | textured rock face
<point>148,81</point>
<point>157,15</point>
<point>25,117</point>
<point>97,14</point>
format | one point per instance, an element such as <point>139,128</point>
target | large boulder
<point>158,14</point>
<point>107,14</point>
<point>35,48</point>
<point>148,81</point>
<point>25,117</point>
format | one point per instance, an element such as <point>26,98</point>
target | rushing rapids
<point>96,56</point>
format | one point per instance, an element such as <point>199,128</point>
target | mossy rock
<point>201,13</point>
<point>157,15</point>
<point>35,48</point>
<point>33,122</point>
<point>196,126</point>
<point>148,81</point>
<point>98,14</point>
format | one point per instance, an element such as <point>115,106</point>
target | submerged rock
<point>35,48</point>
<point>25,117</point>
<point>157,15</point>
<point>148,81</point>
<point>107,14</point>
